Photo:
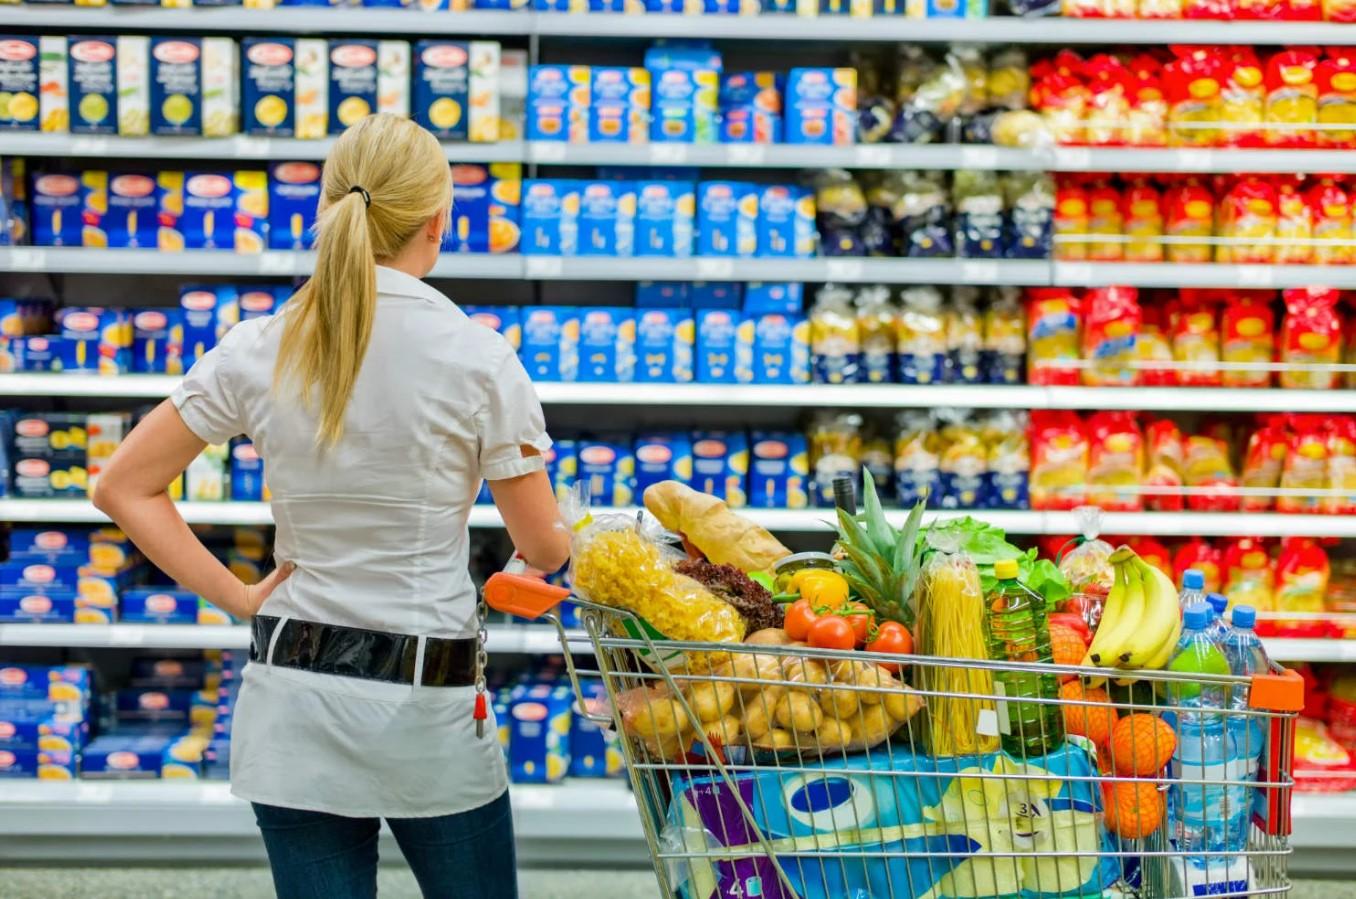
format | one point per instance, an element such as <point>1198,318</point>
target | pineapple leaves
<point>878,528</point>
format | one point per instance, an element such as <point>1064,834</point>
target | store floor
<point>394,883</point>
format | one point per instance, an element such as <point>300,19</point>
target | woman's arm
<point>132,490</point>
<point>528,507</point>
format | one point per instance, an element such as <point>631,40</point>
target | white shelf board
<point>281,20</point>
<point>274,263</point>
<point>238,147</point>
<point>79,511</point>
<point>1166,274</point>
<point>857,270</point>
<point>1290,649</point>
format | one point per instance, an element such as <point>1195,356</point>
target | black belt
<point>358,652</point>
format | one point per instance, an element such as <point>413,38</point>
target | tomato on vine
<point>893,638</point>
<point>799,618</point>
<point>832,632</point>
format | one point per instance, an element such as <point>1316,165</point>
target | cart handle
<point>526,597</point>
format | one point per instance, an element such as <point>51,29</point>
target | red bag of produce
<point>1143,221</point>
<point>1341,465</point>
<point>1198,554</point>
<point>1115,461</point>
<point>1331,206</point>
<point>1059,460</point>
<point>1111,323</point>
<point>1311,335</point>
<point>1189,208</point>
<point>1294,223</point>
<point>1054,321</point>
<point>1247,221</point>
<point>1153,348</point>
<point>1106,218</point>
<point>1071,218</point>
<point>1192,84</point>
<point>1249,338</point>
<point>1242,101</point>
<point>1263,461</point>
<point>1195,340</point>
<point>1292,97</point>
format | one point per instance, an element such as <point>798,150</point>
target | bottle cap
<point>1193,579</point>
<point>1196,616</point>
<point>1005,569</point>
<point>1244,616</point>
<point>1219,602</point>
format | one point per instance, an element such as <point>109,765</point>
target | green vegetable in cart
<point>882,562</point>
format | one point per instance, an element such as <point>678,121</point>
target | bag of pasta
<point>622,561</point>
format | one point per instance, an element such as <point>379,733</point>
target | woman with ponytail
<point>378,408</point>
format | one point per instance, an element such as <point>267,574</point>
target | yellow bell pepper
<point>820,587</point>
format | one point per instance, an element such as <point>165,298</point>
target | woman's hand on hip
<point>257,594</point>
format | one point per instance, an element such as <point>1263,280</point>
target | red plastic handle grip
<point>526,597</point>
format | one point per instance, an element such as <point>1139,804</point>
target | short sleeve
<point>510,419</point>
<point>206,399</point>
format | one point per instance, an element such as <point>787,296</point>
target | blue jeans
<point>320,856</point>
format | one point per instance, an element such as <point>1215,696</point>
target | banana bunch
<point>1141,620</point>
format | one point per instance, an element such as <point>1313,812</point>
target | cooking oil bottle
<point>1016,629</point>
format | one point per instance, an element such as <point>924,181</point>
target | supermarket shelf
<point>1284,649</point>
<point>72,385</point>
<point>282,20</point>
<point>1103,274</point>
<point>238,147</point>
<point>1162,524</point>
<point>277,264</point>
<point>853,271</point>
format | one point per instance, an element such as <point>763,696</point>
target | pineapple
<point>882,562</point>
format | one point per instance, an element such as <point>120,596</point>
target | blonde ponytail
<point>384,179</point>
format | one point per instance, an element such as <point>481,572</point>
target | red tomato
<point>832,632</point>
<point>799,618</point>
<point>859,616</point>
<point>894,638</point>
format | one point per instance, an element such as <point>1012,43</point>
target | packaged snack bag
<point>1009,460</point>
<point>917,458</point>
<point>1242,99</point>
<point>922,338</point>
<point>1111,325</point>
<point>1110,87</point>
<point>1263,461</point>
<point>1294,223</point>
<point>1072,218</point>
<point>1147,125</point>
<point>1106,217</point>
<point>1059,460</point>
<point>1158,9</point>
<point>1310,336</point>
<point>1331,206</point>
<point>964,337</point>
<point>835,451</point>
<point>1247,221</point>
<point>1292,97</point>
<point>1339,10</point>
<point>1248,576</point>
<point>1062,100</point>
<point>877,326</point>
<point>1115,461</point>
<point>1004,342</point>
<point>835,347</point>
<point>1207,9</point>
<point>1054,318</point>
<point>963,461</point>
<point>1207,466</point>
<point>1195,340</point>
<point>1165,459</point>
<point>1207,559</point>
<point>1143,221</point>
<point>978,197</point>
<point>1306,465</point>
<point>1192,85</point>
<point>1189,211</point>
<point>1336,77</point>
<point>1341,465</point>
<point>1248,328</point>
<point>1153,346</point>
<point>1302,572</point>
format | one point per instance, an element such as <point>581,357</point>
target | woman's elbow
<point>550,555</point>
<point>107,495</point>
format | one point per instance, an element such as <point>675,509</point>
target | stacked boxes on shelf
<point>45,714</point>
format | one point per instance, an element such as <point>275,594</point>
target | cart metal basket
<point>846,801</point>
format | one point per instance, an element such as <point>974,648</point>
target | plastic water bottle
<point>1193,588</point>
<point>1017,631</point>
<point>1218,602</point>
<point>1204,746</point>
<point>1247,656</point>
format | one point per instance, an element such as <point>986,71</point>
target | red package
<point>1061,97</point>
<point>1192,85</point>
<point>1189,211</point>
<point>1303,11</point>
<point>1195,340</point>
<point>1153,348</point>
<point>1242,98</point>
<point>1247,221</point>
<point>1341,430</point>
<point>1115,461</point>
<point>1059,460</point>
<point>1110,86</point>
<point>1263,462</point>
<point>1143,221</point>
<point>1202,556</point>
<point>1311,337</point>
<point>1110,325</point>
<point>1071,218</point>
<point>1331,208</point>
<point>1248,332</point>
<point>1054,321</point>
<point>1294,223</point>
<point>1148,125</point>
<point>1302,572</point>
<point>1336,76</point>
<point>1209,475</point>
<point>1106,217</point>
<point>1339,10</point>
<point>1248,576</point>
<point>1292,97</point>
<point>1165,459</point>
<point>1306,465</point>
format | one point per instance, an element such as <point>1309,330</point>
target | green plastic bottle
<point>1016,629</point>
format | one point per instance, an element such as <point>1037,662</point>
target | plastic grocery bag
<point>1088,568</point>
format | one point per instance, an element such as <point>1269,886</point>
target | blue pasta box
<point>787,297</point>
<point>821,106</point>
<point>485,209</point>
<point>720,353</point>
<point>48,435</point>
<point>442,88</point>
<point>558,99</point>
<point>716,294</point>
<point>758,90</point>
<point>48,478</point>
<point>539,734</point>
<point>786,222</point>
<point>684,108</point>
<point>257,302</point>
<point>607,344</point>
<point>665,345</point>
<point>727,218</point>
<point>19,62</point>
<point>594,751</point>
<point>92,84</point>
<point>124,757</point>
<point>208,313</point>
<point>284,86</point>
<point>33,725</point>
<point>176,85</point>
<point>216,211</point>
<point>562,466</point>
<point>159,606</point>
<point>156,705</point>
<point>503,320</point>
<point>662,295</point>
<point>550,350</point>
<point>68,208</point>
<point>37,763</point>
<point>353,81</point>
<point>68,687</point>
<point>778,349</point>
<point>35,354</point>
<point>183,758</point>
<point>665,215</point>
<point>662,457</point>
<point>779,470</point>
<point>132,219</point>
<point>607,218</point>
<point>169,673</point>
<point>95,340</point>
<point>551,217</point>
<point>247,472</point>
<point>720,465</point>
<point>293,197</point>
<point>36,608</point>
<point>619,105</point>
<point>748,125</point>
<point>56,546</point>
<point>96,598</point>
<point>571,6</point>
<point>110,549</point>
<point>608,467</point>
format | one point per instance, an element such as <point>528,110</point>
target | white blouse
<point>377,527</point>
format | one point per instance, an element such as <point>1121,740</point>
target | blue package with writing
<point>716,294</point>
<point>149,671</point>
<point>550,350</point>
<point>779,470</point>
<point>619,105</point>
<point>687,56</point>
<point>442,88</point>
<point>539,735</point>
<point>750,125</point>
<point>608,468</point>
<point>132,219</point>
<point>720,465</point>
<point>176,85</point>
<point>485,208</point>
<point>37,763</point>
<point>665,345</point>
<point>353,82</point>
<point>821,106</point>
<point>727,218</point>
<point>558,99</point>
<point>124,757</point>
<point>665,215</point>
<point>506,321</point>
<point>594,751</point>
<point>786,222</point>
<point>208,313</point>
<point>247,472</point>
<point>684,108</point>
<point>607,344</point>
<point>550,217</point>
<point>54,545</point>
<point>662,457</point>
<point>562,466</point>
<point>257,302</point>
<point>33,725</point>
<point>92,84</point>
<point>158,606</point>
<point>60,202</point>
<point>95,340</point>
<point>50,605</point>
<point>268,85</point>
<point>67,687</point>
<point>294,194</point>
<point>607,223</point>
<point>662,295</point>
<point>779,349</point>
<point>786,297</point>
<point>720,352</point>
<point>25,576</point>
<point>154,705</point>
<point>19,62</point>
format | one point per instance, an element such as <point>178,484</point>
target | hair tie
<point>367,197</point>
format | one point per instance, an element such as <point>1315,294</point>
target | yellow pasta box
<point>134,85</point>
<point>53,98</point>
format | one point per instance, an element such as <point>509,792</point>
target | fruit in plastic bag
<point>1087,567</point>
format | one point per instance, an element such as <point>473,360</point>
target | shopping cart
<point>727,813</point>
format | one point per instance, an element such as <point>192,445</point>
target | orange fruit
<point>1134,809</point>
<point>1141,745</point>
<point>1087,720</point>
<point>1067,648</point>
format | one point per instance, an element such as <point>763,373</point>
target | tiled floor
<point>396,883</point>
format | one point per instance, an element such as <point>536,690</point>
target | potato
<point>725,732</point>
<point>756,667</point>
<point>768,636</point>
<point>864,674</point>
<point>665,749</point>
<point>758,710</point>
<point>777,739</point>
<point>710,701</point>
<point>805,671</point>
<point>657,719</point>
<point>839,703</point>
<point>901,704</point>
<point>831,735</point>
<point>796,711</point>
<point>873,725</point>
